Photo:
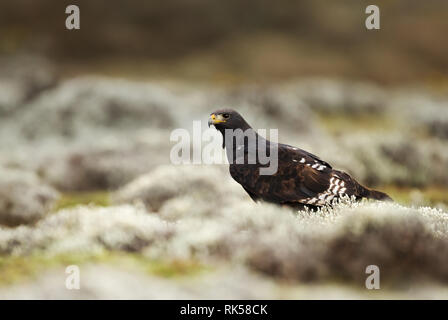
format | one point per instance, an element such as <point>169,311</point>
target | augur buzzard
<point>301,180</point>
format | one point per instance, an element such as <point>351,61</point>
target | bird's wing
<point>288,152</point>
<point>301,177</point>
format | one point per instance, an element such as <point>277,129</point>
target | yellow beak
<point>214,119</point>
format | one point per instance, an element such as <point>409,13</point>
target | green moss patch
<point>73,199</point>
<point>430,195</point>
<point>336,124</point>
<point>15,269</point>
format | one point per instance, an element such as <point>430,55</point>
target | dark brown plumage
<point>302,179</point>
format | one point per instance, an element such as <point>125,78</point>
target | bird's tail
<point>374,194</point>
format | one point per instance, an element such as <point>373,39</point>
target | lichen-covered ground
<point>227,247</point>
<point>86,179</point>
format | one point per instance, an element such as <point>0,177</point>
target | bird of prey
<point>302,180</point>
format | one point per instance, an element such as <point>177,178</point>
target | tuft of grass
<point>73,199</point>
<point>15,269</point>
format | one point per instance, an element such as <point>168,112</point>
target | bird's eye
<point>226,115</point>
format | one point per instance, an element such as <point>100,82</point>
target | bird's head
<point>227,119</point>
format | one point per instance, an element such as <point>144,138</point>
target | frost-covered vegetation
<point>24,199</point>
<point>85,179</point>
<point>192,217</point>
<point>266,243</point>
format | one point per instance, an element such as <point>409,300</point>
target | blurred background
<point>234,40</point>
<point>86,116</point>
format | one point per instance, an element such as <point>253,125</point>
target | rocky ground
<point>86,179</point>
